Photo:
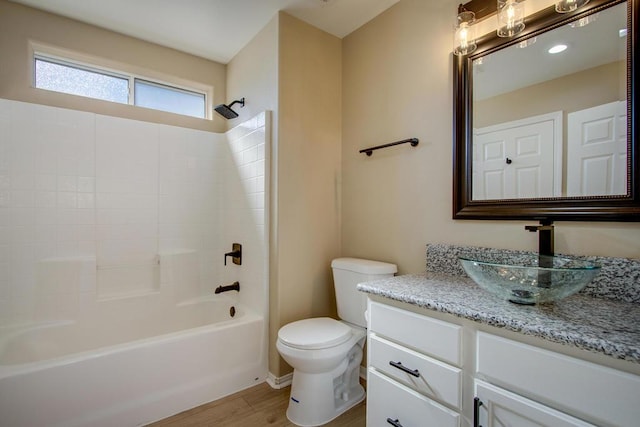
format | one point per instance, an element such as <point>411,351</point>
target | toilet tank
<point>347,273</point>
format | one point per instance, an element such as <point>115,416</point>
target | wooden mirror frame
<point>598,208</point>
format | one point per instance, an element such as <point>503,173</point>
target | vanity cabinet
<point>412,379</point>
<point>425,371</point>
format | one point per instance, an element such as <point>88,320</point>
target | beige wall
<point>308,170</point>
<point>253,74</point>
<point>397,80</point>
<point>305,169</point>
<point>565,94</point>
<point>20,24</point>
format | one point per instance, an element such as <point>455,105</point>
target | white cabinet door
<point>500,408</point>
<point>597,151</point>
<point>519,159</point>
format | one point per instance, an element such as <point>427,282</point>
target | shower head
<point>225,110</point>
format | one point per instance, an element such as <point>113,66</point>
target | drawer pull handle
<point>398,365</point>
<point>476,411</point>
<point>394,423</point>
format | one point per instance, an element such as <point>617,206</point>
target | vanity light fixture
<point>557,48</point>
<point>566,6</point>
<point>464,37</point>
<point>510,18</point>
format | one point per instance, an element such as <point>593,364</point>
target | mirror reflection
<point>550,113</point>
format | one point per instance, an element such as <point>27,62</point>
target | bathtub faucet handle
<point>235,254</point>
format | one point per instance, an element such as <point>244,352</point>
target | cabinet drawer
<point>436,338</point>
<point>387,399</point>
<point>430,377</point>
<point>603,395</point>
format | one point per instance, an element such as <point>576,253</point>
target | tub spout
<point>235,286</point>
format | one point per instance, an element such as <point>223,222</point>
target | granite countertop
<point>594,324</point>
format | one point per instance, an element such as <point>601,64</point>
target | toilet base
<point>315,404</point>
<point>317,398</point>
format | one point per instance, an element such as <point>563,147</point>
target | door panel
<point>597,151</point>
<point>519,159</point>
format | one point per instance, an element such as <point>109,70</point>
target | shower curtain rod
<point>369,151</point>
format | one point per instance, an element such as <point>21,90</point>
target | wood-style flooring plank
<point>257,406</point>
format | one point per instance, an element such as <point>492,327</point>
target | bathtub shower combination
<point>115,234</point>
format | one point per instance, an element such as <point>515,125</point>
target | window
<point>84,82</point>
<point>67,76</point>
<point>167,98</point>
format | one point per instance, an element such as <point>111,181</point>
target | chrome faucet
<point>545,236</point>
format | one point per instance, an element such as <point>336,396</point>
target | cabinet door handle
<point>394,423</point>
<point>398,365</point>
<point>476,411</point>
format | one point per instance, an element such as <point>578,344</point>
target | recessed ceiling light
<point>557,48</point>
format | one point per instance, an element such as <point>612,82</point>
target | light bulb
<point>510,18</point>
<point>464,36</point>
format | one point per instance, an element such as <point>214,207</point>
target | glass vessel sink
<point>529,278</point>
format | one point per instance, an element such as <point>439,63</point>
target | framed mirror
<point>543,135</point>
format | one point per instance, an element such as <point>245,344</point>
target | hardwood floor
<point>254,407</point>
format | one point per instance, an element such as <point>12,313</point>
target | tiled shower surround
<point>98,209</point>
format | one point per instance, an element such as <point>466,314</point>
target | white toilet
<point>325,353</point>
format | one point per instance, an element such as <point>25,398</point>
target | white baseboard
<point>279,382</point>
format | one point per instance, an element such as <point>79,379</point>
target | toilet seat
<point>314,334</point>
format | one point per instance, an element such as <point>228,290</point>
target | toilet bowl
<point>326,356</point>
<point>326,353</point>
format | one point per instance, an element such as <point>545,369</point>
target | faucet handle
<point>235,254</point>
<point>545,224</point>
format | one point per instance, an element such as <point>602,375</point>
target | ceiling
<point>513,68</point>
<point>212,29</point>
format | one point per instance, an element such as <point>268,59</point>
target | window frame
<point>55,55</point>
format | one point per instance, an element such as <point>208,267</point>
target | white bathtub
<point>85,374</point>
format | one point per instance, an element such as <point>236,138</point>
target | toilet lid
<point>315,333</point>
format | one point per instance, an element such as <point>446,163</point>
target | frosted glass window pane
<point>167,98</point>
<point>76,81</point>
